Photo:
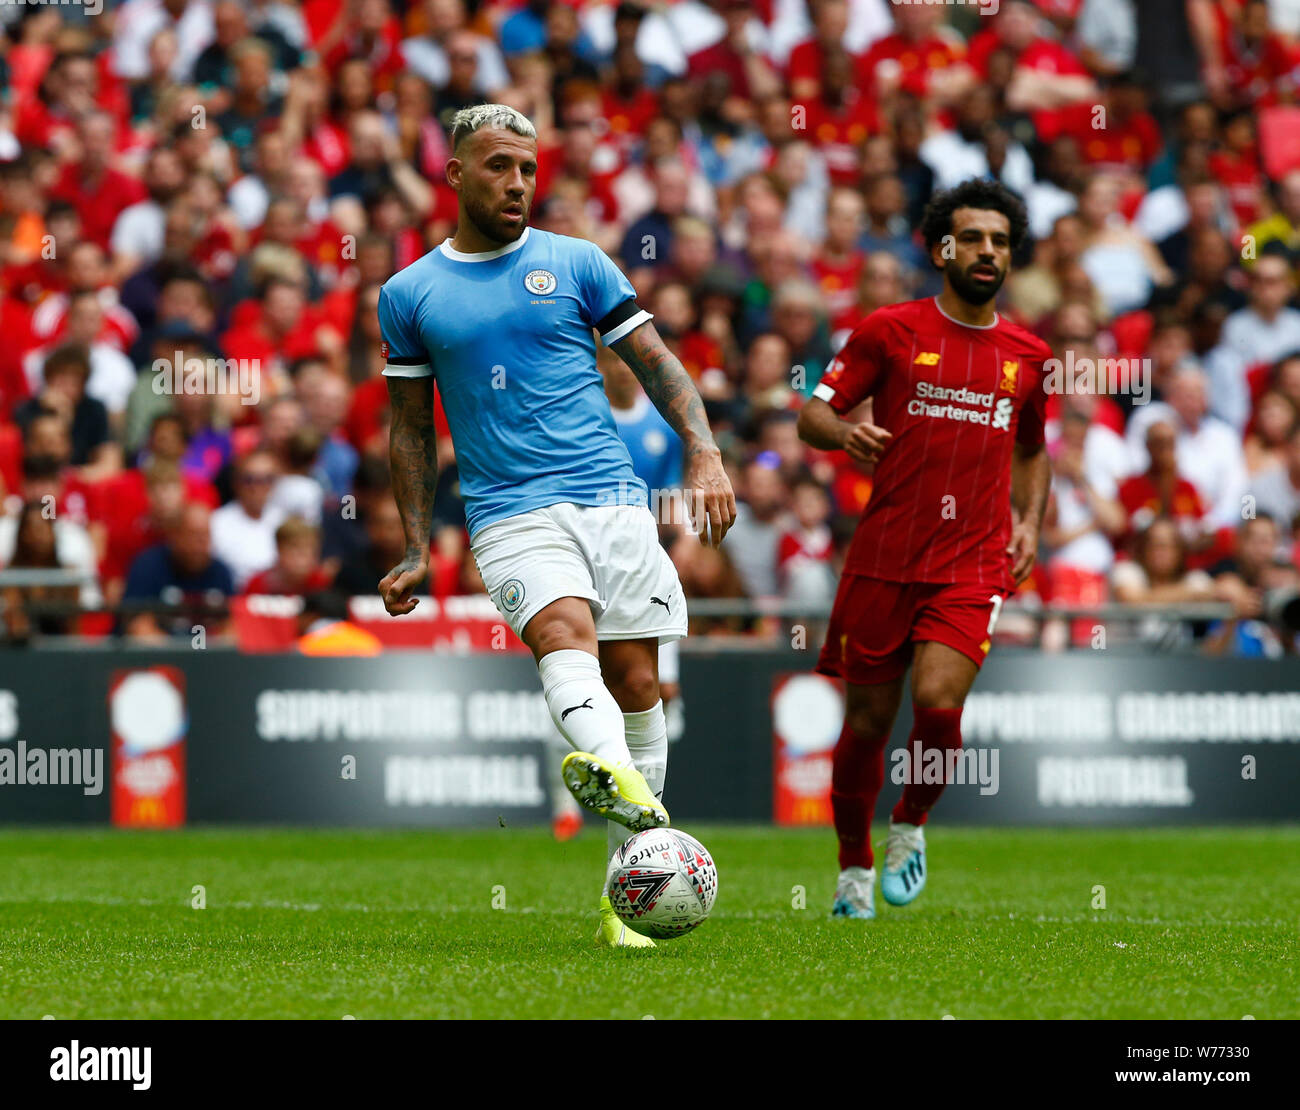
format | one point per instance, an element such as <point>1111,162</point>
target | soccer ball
<point>662,883</point>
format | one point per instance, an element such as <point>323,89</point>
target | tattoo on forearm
<point>412,457</point>
<point>668,386</point>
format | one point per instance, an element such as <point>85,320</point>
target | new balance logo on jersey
<point>661,601</point>
<point>927,358</point>
<point>574,708</point>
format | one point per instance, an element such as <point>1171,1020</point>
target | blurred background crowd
<point>235,179</point>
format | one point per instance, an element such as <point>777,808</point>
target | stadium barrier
<point>424,739</point>
<point>471,622</point>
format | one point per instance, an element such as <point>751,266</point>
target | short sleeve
<point>1033,415</point>
<point>404,355</point>
<point>852,375</point>
<point>608,299</point>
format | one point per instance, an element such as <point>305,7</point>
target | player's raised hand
<point>400,582</point>
<point>866,442</point>
<point>712,501</point>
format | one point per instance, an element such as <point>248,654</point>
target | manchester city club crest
<point>512,593</point>
<point>539,282</point>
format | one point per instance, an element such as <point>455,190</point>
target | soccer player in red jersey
<point>961,480</point>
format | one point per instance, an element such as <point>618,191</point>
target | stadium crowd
<point>199,200</point>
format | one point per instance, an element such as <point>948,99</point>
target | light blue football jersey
<point>507,336</point>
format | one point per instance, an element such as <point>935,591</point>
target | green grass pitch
<point>321,924</point>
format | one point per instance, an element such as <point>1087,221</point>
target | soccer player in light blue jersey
<point>501,317</point>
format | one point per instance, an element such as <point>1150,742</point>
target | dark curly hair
<point>977,192</point>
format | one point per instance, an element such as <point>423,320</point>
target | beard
<point>967,288</point>
<point>487,218</point>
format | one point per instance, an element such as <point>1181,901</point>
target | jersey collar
<point>974,327</point>
<point>483,256</point>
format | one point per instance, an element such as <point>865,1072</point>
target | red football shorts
<point>875,625</point>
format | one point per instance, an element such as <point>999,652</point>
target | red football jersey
<point>956,399</point>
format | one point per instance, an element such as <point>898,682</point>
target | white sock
<point>581,706</point>
<point>647,742</point>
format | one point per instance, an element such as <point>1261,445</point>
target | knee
<point>935,693</point>
<point>557,633</point>
<point>868,721</point>
<point>635,688</point>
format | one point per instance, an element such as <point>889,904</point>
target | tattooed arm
<point>669,386</point>
<point>412,456</point>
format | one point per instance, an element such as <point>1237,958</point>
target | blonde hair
<point>468,120</point>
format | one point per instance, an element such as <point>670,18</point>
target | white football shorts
<point>608,554</point>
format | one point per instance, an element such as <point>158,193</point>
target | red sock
<point>857,773</point>
<point>933,729</point>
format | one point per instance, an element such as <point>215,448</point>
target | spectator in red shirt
<point>85,270</point>
<point>1162,492</point>
<point>748,72</point>
<point>1236,166</point>
<point>805,550</point>
<point>804,70</point>
<point>142,508</point>
<point>840,119</point>
<point>47,474</point>
<point>917,59</point>
<point>1118,133</point>
<point>1262,67</point>
<point>297,569</point>
<point>584,157</point>
<point>629,104</point>
<point>1014,28</point>
<point>68,91</point>
<point>286,328</point>
<point>91,184</point>
<point>366,31</point>
<point>837,266</point>
<point>676,315</point>
<point>1052,85</point>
